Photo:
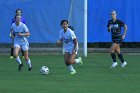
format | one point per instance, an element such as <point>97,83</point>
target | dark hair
<point>18,10</point>
<point>16,16</point>
<point>71,27</point>
<point>64,21</point>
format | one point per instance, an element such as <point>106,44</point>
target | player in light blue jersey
<point>18,12</point>
<point>19,32</point>
<point>68,38</point>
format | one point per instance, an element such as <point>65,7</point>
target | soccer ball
<point>44,70</point>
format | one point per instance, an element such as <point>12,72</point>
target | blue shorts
<point>23,45</point>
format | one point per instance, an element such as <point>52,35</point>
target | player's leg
<point>16,51</point>
<point>120,56</point>
<point>113,54</point>
<point>69,66</point>
<point>22,52</point>
<point>26,56</point>
<point>12,49</point>
<point>71,60</point>
<point>25,48</point>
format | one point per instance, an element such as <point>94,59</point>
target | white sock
<point>77,61</point>
<point>29,63</point>
<point>70,67</point>
<point>18,60</point>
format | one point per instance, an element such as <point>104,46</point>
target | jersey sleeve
<point>25,28</point>
<point>73,36</point>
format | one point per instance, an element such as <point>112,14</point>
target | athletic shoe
<point>20,67</point>
<point>114,64</point>
<point>29,69</point>
<point>81,62</point>
<point>11,57</point>
<point>123,64</point>
<point>73,72</point>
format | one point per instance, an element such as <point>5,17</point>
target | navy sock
<point>113,55</point>
<point>12,51</point>
<point>120,56</point>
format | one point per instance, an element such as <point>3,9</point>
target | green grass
<point>95,76</point>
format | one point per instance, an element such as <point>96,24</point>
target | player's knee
<point>15,55</point>
<point>26,58</point>
<point>111,51</point>
<point>67,64</point>
<point>118,52</point>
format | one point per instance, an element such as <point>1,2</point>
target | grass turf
<point>95,76</point>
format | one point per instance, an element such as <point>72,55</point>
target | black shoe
<point>29,69</point>
<point>20,67</point>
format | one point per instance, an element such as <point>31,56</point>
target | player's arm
<point>75,42</point>
<point>24,34</point>
<point>27,33</point>
<point>75,46</point>
<point>125,30</point>
<point>11,32</point>
<point>60,40</point>
<point>109,27</point>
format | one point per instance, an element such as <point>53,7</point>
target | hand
<point>73,51</point>
<point>109,29</point>
<point>123,37</point>
<point>20,34</point>
<point>11,35</point>
<point>58,41</point>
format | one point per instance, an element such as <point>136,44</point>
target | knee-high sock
<point>120,56</point>
<point>29,63</point>
<point>77,60</point>
<point>70,67</point>
<point>12,51</point>
<point>113,55</point>
<point>18,60</point>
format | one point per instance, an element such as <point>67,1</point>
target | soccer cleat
<point>114,64</point>
<point>11,57</point>
<point>20,67</point>
<point>73,72</point>
<point>29,69</point>
<point>123,64</point>
<point>81,62</point>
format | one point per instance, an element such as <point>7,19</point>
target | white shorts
<point>70,51</point>
<point>24,46</point>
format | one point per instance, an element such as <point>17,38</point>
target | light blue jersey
<point>68,38</point>
<point>20,41</point>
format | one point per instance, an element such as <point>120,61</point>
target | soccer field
<point>95,76</point>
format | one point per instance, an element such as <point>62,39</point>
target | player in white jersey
<point>68,38</point>
<point>19,32</point>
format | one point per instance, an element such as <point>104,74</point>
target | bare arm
<point>75,43</point>
<point>25,34</point>
<point>125,30</point>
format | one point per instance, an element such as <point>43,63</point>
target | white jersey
<point>20,41</point>
<point>68,38</point>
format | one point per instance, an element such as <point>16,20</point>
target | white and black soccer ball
<point>44,70</point>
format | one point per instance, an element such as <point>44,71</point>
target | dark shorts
<point>118,41</point>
